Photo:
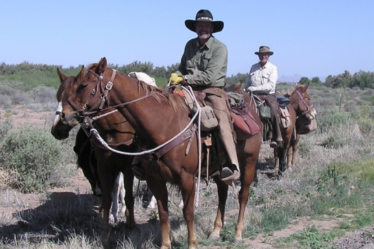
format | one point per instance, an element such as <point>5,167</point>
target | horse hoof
<point>213,237</point>
<point>238,240</point>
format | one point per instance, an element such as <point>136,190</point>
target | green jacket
<point>204,66</point>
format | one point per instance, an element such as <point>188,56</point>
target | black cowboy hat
<point>204,16</point>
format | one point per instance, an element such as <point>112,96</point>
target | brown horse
<point>300,101</point>
<point>159,117</point>
<point>117,132</point>
<point>300,104</point>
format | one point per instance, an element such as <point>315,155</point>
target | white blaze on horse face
<point>58,112</point>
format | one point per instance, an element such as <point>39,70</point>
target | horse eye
<point>83,85</point>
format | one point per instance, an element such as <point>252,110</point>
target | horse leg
<point>115,194</point>
<point>290,153</point>
<point>222,197</point>
<point>188,194</point>
<point>276,159</point>
<point>122,193</point>
<point>106,175</point>
<point>160,192</point>
<point>247,177</point>
<point>282,163</point>
<point>295,147</point>
<point>128,179</point>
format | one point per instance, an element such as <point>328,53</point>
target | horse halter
<point>309,108</point>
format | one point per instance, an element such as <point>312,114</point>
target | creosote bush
<point>31,156</point>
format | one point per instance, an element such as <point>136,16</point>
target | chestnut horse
<point>159,117</point>
<point>117,132</point>
<point>300,101</point>
<point>299,105</point>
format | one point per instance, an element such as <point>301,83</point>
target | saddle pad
<point>244,124</point>
<point>285,117</point>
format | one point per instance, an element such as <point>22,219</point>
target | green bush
<point>31,155</point>
<point>5,127</point>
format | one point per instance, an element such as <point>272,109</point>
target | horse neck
<point>115,127</point>
<point>151,119</point>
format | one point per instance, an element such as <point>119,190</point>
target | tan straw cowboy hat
<point>263,50</point>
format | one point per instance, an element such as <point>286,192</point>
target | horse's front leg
<point>160,192</point>
<point>295,148</point>
<point>246,179</point>
<point>188,194</point>
<point>107,177</point>
<point>128,178</point>
<point>222,197</point>
<point>282,153</point>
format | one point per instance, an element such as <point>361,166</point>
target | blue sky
<point>309,37</point>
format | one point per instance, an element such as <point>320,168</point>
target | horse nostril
<point>62,115</point>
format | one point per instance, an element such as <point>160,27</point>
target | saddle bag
<point>285,117</point>
<point>265,112</point>
<point>244,123</point>
<point>305,125</point>
<point>208,119</point>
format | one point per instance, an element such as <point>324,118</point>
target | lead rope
<point>197,192</point>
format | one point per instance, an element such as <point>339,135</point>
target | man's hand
<point>175,79</point>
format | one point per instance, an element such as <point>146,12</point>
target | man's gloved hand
<point>175,79</point>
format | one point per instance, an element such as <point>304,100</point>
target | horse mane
<point>175,100</point>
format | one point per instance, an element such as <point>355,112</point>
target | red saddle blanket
<point>244,123</point>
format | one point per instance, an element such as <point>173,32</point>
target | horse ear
<point>306,87</point>
<point>80,75</point>
<point>61,75</point>
<point>101,66</point>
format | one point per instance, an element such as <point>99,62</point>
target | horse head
<point>79,99</point>
<point>300,99</point>
<point>60,129</point>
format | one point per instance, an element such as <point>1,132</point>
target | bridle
<point>99,105</point>
<point>309,108</point>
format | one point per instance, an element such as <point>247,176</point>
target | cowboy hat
<point>204,16</point>
<point>263,50</point>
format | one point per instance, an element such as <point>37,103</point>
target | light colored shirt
<point>262,79</point>
<point>204,66</point>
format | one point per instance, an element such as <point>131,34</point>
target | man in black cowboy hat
<point>262,78</point>
<point>204,65</point>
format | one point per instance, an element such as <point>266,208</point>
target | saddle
<point>264,110</point>
<point>245,124</point>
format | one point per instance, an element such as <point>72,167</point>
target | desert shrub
<point>19,99</point>
<point>366,126</point>
<point>5,100</point>
<point>334,142</point>
<point>43,94</point>
<point>31,156</point>
<point>5,127</point>
<point>331,119</point>
<point>7,90</point>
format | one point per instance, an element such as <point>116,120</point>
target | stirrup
<point>228,176</point>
